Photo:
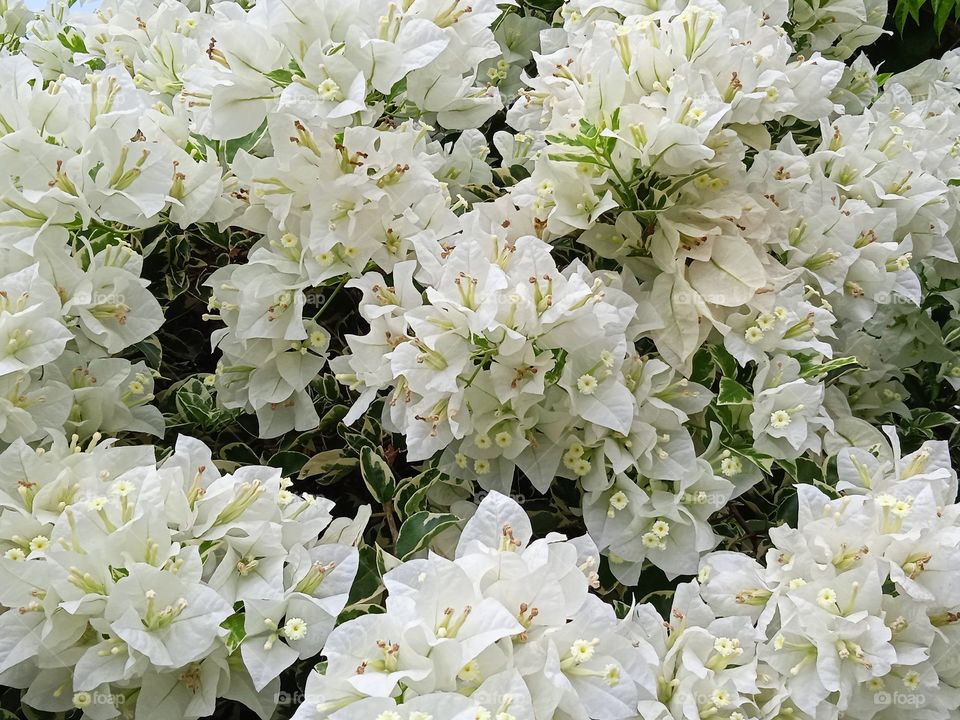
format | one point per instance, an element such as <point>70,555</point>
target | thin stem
<point>388,512</point>
<point>330,299</point>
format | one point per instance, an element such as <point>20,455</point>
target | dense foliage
<point>518,360</point>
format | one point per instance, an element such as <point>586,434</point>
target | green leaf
<point>206,546</point>
<point>354,611</point>
<point>724,360</point>
<point>733,393</point>
<point>240,453</point>
<point>762,461</point>
<point>290,462</point>
<point>936,419</point>
<point>328,461</point>
<point>788,509</point>
<point>282,77</point>
<point>195,404</point>
<point>553,375</point>
<point>329,388</point>
<point>118,572</point>
<point>152,351</point>
<point>900,15</point>
<point>332,417</point>
<point>235,631</point>
<point>415,502</point>
<point>942,9</point>
<point>72,41</point>
<point>367,583</point>
<point>411,494</point>
<point>547,7</point>
<point>724,416</point>
<point>419,529</point>
<point>519,172</point>
<point>231,147</point>
<point>802,470</point>
<point>834,368</point>
<point>621,608</point>
<point>575,158</point>
<point>371,430</point>
<point>704,368</point>
<point>952,336</point>
<point>357,442</point>
<point>906,9</point>
<point>377,475</point>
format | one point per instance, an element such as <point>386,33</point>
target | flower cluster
<point>131,586</point>
<point>853,615</point>
<point>792,255</point>
<point>862,218</point>
<point>657,262</point>
<point>334,157</point>
<point>230,67</point>
<point>507,629</point>
<point>855,608</point>
<point>507,362</point>
<point>14,16</point>
<point>659,150</point>
<point>71,293</point>
<point>836,29</point>
<point>328,205</point>
<point>355,175</point>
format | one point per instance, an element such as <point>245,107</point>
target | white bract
<point>642,258</point>
<point>507,629</point>
<point>85,162</point>
<point>135,582</point>
<point>855,608</point>
<point>852,615</point>
<point>507,362</point>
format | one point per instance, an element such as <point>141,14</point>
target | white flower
<point>128,565</point>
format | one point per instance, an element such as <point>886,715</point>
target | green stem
<point>333,296</point>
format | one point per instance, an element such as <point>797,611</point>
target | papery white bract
<point>652,263</point>
<point>123,576</point>
<point>507,628</point>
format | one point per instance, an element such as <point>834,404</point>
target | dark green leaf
<point>936,419</point>
<point>326,462</point>
<point>152,351</point>
<point>368,581</point>
<point>724,360</point>
<point>240,453</point>
<point>419,529</point>
<point>289,461</point>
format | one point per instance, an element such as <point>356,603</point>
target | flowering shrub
<point>672,279</point>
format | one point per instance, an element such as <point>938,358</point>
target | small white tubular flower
<point>295,629</point>
<point>587,384</point>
